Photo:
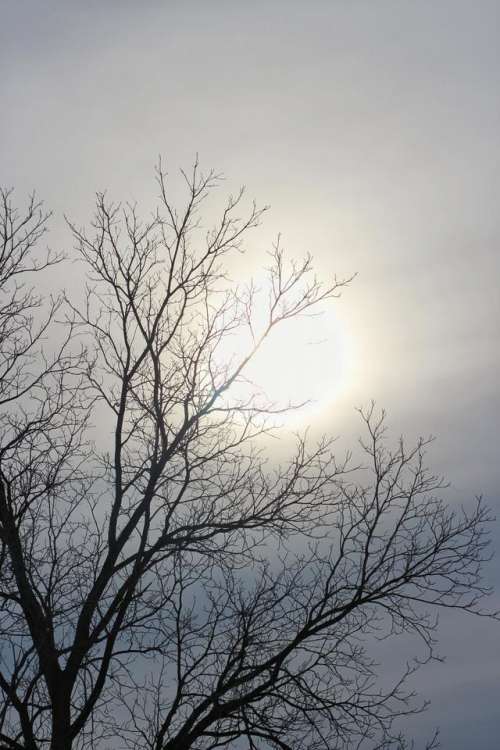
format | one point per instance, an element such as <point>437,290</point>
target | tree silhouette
<point>175,588</point>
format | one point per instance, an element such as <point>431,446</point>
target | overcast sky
<point>373,129</point>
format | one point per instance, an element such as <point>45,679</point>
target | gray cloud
<point>372,128</point>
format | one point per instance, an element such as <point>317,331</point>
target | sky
<point>372,128</point>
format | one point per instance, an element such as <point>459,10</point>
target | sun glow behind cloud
<point>303,362</point>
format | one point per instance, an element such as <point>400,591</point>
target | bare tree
<point>175,588</point>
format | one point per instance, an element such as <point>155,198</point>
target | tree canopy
<point>165,583</point>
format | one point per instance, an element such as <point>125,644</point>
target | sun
<point>303,362</point>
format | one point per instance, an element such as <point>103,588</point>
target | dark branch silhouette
<point>166,586</point>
